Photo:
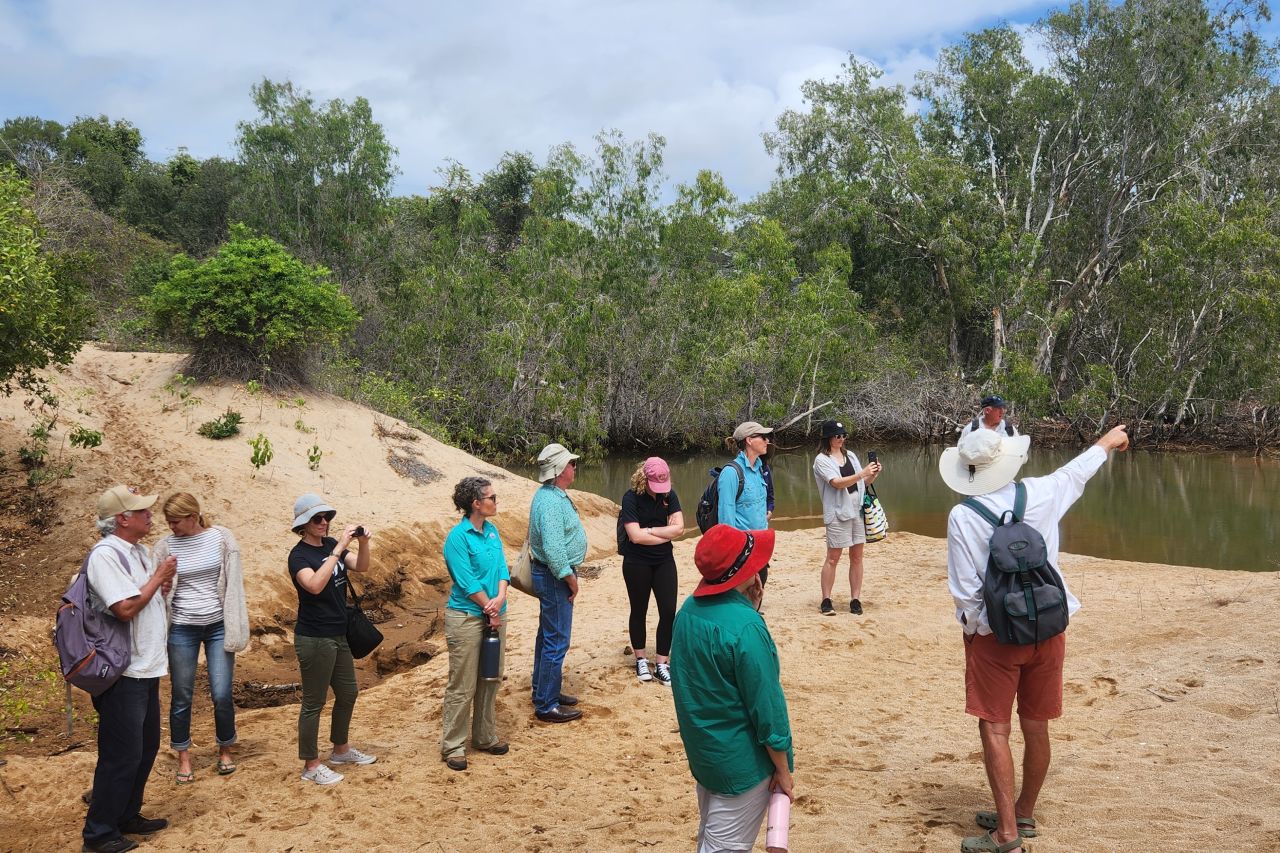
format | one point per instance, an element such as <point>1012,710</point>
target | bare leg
<point>829,571</point>
<point>855,570</point>
<point>1036,753</point>
<point>998,759</point>
<point>184,761</point>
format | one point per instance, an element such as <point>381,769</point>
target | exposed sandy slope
<point>1170,740</point>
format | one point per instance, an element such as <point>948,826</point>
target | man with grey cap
<point>558,545</point>
<point>984,466</point>
<point>991,417</point>
<point>124,584</point>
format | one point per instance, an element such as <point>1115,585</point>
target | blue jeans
<point>184,653</point>
<point>128,740</point>
<point>555,624</point>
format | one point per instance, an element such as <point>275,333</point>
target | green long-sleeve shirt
<point>556,536</point>
<point>728,696</point>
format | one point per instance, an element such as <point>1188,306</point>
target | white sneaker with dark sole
<point>642,670</point>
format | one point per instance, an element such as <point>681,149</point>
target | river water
<point>1219,511</point>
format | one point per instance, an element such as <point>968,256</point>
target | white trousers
<point>731,824</point>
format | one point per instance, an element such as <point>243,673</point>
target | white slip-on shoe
<point>321,775</point>
<point>351,756</point>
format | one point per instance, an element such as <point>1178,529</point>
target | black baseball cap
<point>994,400</point>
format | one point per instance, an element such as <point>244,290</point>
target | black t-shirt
<point>325,614</point>
<point>647,512</point>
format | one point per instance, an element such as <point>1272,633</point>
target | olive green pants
<point>324,662</point>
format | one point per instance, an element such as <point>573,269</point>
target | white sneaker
<point>663,674</point>
<point>642,669</point>
<point>351,756</point>
<point>321,775</point>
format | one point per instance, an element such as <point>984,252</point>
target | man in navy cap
<point>991,417</point>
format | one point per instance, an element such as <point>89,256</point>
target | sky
<point>468,81</point>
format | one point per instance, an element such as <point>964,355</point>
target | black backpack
<point>1008,426</point>
<point>1025,599</point>
<point>708,514</point>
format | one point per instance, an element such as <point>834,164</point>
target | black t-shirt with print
<point>647,512</point>
<point>324,614</point>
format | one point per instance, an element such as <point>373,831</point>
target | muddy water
<point>1219,511</point>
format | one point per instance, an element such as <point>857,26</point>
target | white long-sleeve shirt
<point>1048,499</point>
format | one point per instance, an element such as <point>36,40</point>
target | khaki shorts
<point>995,673</point>
<point>846,534</point>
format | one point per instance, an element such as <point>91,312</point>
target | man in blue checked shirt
<point>558,545</point>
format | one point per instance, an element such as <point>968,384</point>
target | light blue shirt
<point>475,561</point>
<point>751,510</point>
<point>556,536</point>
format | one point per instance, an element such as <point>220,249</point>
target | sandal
<point>988,820</point>
<point>988,844</point>
<point>185,778</point>
<point>226,768</point>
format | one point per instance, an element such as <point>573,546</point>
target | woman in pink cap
<point>649,520</point>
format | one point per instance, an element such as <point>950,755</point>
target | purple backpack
<point>94,648</point>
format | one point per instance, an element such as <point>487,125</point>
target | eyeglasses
<point>759,435</point>
<point>493,498</point>
<point>573,463</point>
<point>321,516</point>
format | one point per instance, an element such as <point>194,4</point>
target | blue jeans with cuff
<point>184,654</point>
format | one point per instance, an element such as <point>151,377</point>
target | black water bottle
<point>490,654</point>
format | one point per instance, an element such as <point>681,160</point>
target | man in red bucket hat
<point>729,700</point>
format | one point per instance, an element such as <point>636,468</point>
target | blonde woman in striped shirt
<point>206,608</point>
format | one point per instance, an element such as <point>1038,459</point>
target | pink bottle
<point>775,835</point>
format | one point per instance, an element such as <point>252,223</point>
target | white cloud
<point>471,81</point>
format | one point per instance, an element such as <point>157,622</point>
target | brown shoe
<point>558,715</point>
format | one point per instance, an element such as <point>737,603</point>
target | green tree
<point>41,316</point>
<point>251,310</point>
<point>101,156</point>
<point>317,176</point>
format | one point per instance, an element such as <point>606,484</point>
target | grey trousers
<point>731,824</point>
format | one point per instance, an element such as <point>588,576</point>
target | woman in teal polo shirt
<point>473,555</point>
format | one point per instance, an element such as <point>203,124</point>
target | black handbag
<point>362,636</point>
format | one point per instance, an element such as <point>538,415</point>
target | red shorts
<point>994,673</point>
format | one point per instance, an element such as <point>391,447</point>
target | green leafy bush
<point>251,310</point>
<point>222,427</point>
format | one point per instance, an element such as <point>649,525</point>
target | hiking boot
<point>662,674</point>
<point>826,608</point>
<point>855,607</point>
<point>642,670</point>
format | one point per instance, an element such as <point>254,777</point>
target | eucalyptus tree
<point>317,176</point>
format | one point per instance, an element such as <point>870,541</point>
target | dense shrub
<point>252,310</point>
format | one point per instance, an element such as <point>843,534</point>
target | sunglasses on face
<point>321,517</point>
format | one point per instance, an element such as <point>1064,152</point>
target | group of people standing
<point>715,653</point>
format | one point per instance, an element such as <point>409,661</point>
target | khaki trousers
<point>468,701</point>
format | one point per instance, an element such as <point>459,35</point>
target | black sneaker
<point>139,825</point>
<point>115,845</point>
<point>855,607</point>
<point>826,608</point>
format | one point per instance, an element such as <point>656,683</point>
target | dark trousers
<point>643,578</point>
<point>128,740</point>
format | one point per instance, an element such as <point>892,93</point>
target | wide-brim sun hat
<point>308,507</point>
<point>983,461</point>
<point>552,460</point>
<point>728,557</point>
